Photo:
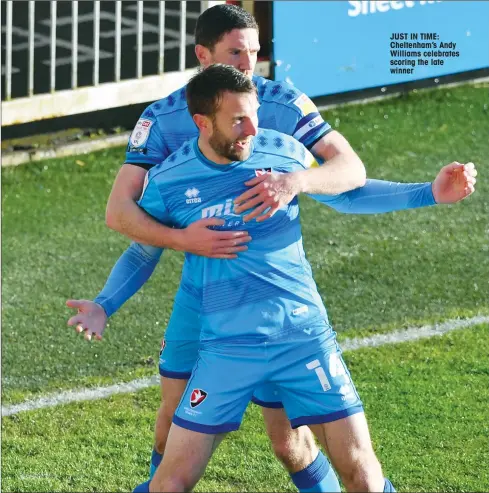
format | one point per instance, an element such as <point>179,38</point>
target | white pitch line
<point>81,395</point>
<point>412,333</point>
<point>396,337</point>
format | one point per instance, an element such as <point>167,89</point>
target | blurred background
<point>84,58</point>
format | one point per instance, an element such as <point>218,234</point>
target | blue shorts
<point>180,348</point>
<point>305,368</point>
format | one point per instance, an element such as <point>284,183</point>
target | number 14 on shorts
<point>336,368</point>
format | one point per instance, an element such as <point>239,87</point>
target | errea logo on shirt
<point>192,195</point>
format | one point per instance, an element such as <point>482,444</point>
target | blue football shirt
<point>268,289</point>
<point>166,124</point>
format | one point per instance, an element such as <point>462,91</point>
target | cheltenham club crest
<point>198,396</point>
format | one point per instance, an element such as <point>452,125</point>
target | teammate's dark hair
<point>219,20</point>
<point>205,90</point>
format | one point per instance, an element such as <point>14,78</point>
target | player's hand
<point>91,318</point>
<point>270,192</point>
<point>200,240</point>
<point>454,182</point>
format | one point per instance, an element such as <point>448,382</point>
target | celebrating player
<point>262,318</point>
<point>258,310</point>
<point>225,34</point>
<point>230,34</point>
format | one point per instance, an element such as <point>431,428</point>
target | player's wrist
<point>434,193</point>
<point>177,239</point>
<point>105,305</point>
<point>299,182</point>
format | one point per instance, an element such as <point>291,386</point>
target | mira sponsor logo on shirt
<point>225,210</point>
<point>218,210</point>
<point>264,171</point>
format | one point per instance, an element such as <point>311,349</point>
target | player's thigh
<point>287,441</point>
<point>186,457</point>
<point>180,346</point>
<point>276,422</point>
<point>172,390</point>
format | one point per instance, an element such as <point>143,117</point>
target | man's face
<point>234,125</point>
<point>238,48</point>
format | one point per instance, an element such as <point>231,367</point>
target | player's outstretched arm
<point>130,273</point>
<point>453,183</point>
<point>341,171</point>
<point>90,318</point>
<point>133,269</point>
<point>125,216</point>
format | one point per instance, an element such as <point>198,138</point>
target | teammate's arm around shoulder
<point>125,216</point>
<point>147,148</point>
<point>342,170</point>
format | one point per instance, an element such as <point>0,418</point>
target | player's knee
<point>167,410</point>
<point>175,480</point>
<point>174,483</point>
<point>163,424</point>
<point>294,448</point>
<point>364,474</point>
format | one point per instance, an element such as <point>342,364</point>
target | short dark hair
<point>219,20</point>
<point>205,90</point>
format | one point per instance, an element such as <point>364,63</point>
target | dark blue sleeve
<point>128,275</point>
<point>378,196</point>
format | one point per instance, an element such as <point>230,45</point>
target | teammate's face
<point>238,48</point>
<point>234,125</point>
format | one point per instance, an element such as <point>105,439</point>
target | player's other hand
<point>268,194</point>
<point>454,182</point>
<point>90,319</point>
<point>200,240</point>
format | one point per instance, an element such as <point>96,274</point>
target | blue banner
<point>337,46</point>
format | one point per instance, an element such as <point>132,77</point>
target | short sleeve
<point>146,146</point>
<point>310,126</point>
<point>152,202</point>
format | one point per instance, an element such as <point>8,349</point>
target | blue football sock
<point>388,487</point>
<point>156,458</point>
<point>318,476</point>
<point>142,488</point>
